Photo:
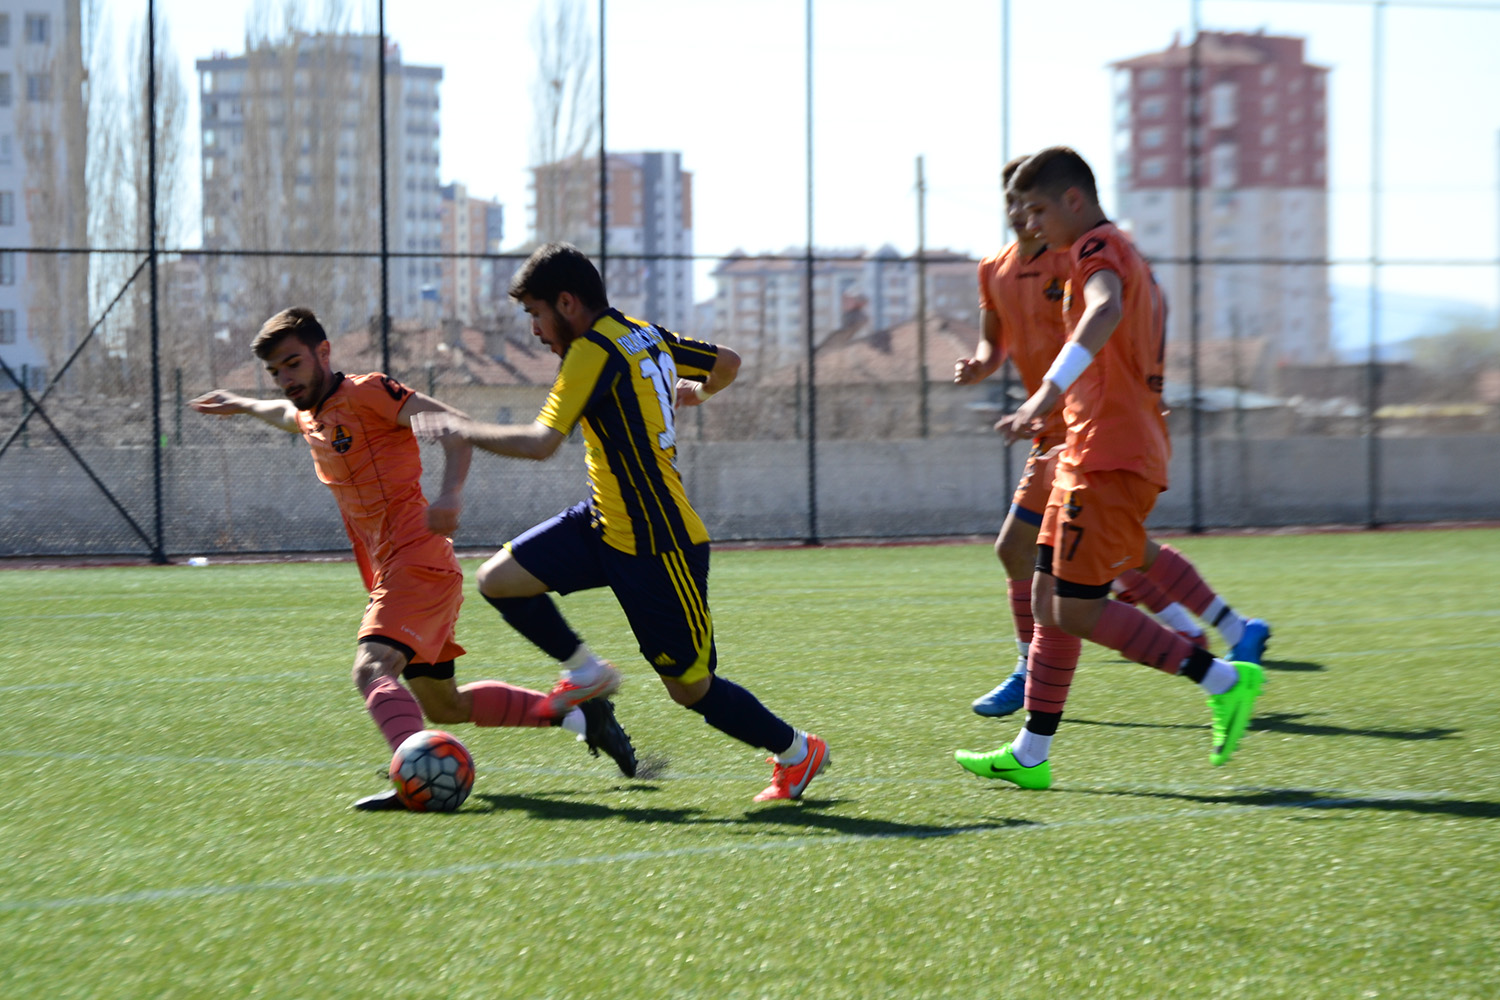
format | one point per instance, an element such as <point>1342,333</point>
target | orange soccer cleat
<point>789,780</point>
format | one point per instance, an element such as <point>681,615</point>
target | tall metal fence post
<point>1005,376</point>
<point>1372,366</point>
<point>807,301</point>
<point>921,301</point>
<point>603,168</point>
<point>1195,318</point>
<point>158,555</point>
<point>385,247</point>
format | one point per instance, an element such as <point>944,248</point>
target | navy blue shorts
<point>664,596</point>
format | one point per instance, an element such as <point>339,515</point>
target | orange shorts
<point>418,607</point>
<point>1035,487</point>
<point>1096,524</point>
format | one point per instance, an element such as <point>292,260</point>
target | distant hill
<point>1402,317</point>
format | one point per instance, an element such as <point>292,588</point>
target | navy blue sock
<point>736,712</point>
<point>538,619</point>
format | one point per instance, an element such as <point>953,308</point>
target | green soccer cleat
<point>1002,764</point>
<point>1232,710</point>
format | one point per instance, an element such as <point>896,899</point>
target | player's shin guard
<point>736,712</point>
<point>538,619</point>
<point>1019,592</point>
<point>1180,581</point>
<point>1051,660</point>
<point>496,703</point>
<point>394,710</point>
<point>1132,632</point>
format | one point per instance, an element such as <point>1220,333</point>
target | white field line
<point>115,681</point>
<point>626,857</point>
<point>904,602</point>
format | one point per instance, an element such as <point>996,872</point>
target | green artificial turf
<point>180,747</point>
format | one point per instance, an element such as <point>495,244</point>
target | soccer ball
<point>433,772</point>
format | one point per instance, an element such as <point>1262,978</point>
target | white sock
<point>1021,663</point>
<point>1175,617</point>
<point>1231,626</point>
<point>1029,749</point>
<point>582,667</point>
<point>1220,677</point>
<point>793,754</point>
<point>1024,648</point>
<point>573,722</point>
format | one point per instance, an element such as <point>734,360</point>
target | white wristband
<point>701,392</point>
<point>1068,365</point>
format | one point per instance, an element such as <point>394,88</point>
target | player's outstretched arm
<point>534,440</point>
<point>726,368</point>
<point>276,412</point>
<point>443,510</point>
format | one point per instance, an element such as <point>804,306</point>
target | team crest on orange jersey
<point>342,442</point>
<point>1054,291</point>
<point>1072,506</point>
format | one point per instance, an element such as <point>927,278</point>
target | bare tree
<point>565,130</point>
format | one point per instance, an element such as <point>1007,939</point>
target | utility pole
<point>921,301</point>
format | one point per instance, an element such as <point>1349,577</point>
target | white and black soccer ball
<point>432,771</point>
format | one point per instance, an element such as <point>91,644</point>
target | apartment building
<point>43,198</point>
<point>1258,120</point>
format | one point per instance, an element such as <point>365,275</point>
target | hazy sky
<point>722,81</point>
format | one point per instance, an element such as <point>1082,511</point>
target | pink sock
<point>1138,638</point>
<point>394,710</point>
<point>1140,590</point>
<point>1050,663</point>
<point>1180,581</point>
<point>1019,592</point>
<point>499,704</point>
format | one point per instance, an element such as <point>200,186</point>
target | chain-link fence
<point>811,182</point>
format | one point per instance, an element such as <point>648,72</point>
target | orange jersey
<point>1113,411</point>
<point>373,465</point>
<point>1026,297</point>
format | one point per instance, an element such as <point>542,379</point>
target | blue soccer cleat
<point>1252,645</point>
<point>1005,699</point>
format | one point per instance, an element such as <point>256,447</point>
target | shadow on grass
<point>1302,798</point>
<point>1282,666</point>
<point>1290,722</point>
<point>804,815</point>
<point>1294,666</point>
<point>1286,722</point>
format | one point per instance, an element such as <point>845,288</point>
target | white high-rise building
<point>1262,132</point>
<point>43,200</point>
<point>291,158</point>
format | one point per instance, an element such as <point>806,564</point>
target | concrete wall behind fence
<point>263,497</point>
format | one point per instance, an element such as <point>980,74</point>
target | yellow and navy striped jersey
<point>620,380</point>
